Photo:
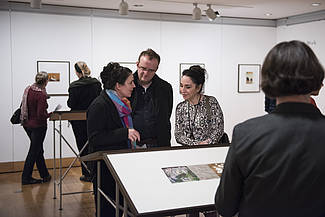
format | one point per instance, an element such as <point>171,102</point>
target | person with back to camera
<point>275,164</point>
<point>152,102</point>
<point>34,120</point>
<point>110,125</point>
<point>199,118</point>
<point>81,93</point>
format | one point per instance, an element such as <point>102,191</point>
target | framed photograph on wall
<point>59,76</point>
<point>183,66</point>
<point>130,65</point>
<point>249,78</point>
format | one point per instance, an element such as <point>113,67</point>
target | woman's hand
<point>133,135</point>
<point>205,142</point>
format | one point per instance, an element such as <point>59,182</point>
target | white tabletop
<point>150,189</point>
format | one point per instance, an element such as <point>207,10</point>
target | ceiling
<point>228,8</point>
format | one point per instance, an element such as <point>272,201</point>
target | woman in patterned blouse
<point>199,118</point>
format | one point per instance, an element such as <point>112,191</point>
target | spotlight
<point>196,12</point>
<point>315,4</point>
<point>124,8</point>
<point>37,4</point>
<point>217,14</point>
<point>210,13</point>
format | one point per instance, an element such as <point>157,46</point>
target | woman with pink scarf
<point>110,126</point>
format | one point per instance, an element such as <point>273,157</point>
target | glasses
<point>147,70</point>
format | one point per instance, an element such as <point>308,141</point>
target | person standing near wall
<point>110,126</point>
<point>199,118</point>
<point>275,164</point>
<point>34,120</point>
<point>151,102</point>
<point>269,104</point>
<point>81,93</point>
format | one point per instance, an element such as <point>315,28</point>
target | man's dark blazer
<point>163,107</point>
<point>276,165</point>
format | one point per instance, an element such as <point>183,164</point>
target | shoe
<point>85,178</point>
<point>30,181</point>
<point>47,178</point>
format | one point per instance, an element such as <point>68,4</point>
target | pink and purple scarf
<point>124,109</point>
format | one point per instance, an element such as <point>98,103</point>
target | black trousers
<point>35,153</point>
<point>108,187</point>
<point>80,132</point>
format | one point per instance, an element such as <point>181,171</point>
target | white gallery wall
<point>6,89</point>
<point>27,37</point>
<point>313,34</point>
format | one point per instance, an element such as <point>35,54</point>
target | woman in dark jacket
<point>275,164</point>
<point>34,120</point>
<point>81,93</point>
<point>110,125</point>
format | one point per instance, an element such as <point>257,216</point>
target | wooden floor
<point>37,200</point>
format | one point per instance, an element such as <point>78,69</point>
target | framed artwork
<point>249,78</point>
<point>183,66</point>
<point>130,65</point>
<point>59,76</point>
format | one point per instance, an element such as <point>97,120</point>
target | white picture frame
<point>249,78</point>
<point>131,65</point>
<point>59,76</point>
<point>184,66</point>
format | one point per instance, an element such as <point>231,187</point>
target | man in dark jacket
<point>151,102</point>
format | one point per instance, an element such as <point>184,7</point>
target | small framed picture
<point>183,66</point>
<point>131,65</point>
<point>249,78</point>
<point>59,76</point>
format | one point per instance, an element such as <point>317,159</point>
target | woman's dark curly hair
<point>291,68</point>
<point>114,73</point>
<point>197,75</point>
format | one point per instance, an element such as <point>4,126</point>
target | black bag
<point>15,118</point>
<point>224,139</point>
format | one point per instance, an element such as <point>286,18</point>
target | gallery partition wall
<point>97,37</point>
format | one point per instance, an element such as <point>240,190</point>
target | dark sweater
<point>82,92</point>
<point>162,95</point>
<point>275,165</point>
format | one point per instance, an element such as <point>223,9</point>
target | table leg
<point>98,186</point>
<point>54,163</point>
<point>60,169</point>
<point>117,199</point>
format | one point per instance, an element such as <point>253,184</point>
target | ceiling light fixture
<point>196,12</point>
<point>37,4</point>
<point>138,5</point>
<point>210,13</point>
<point>315,4</point>
<point>124,8</point>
